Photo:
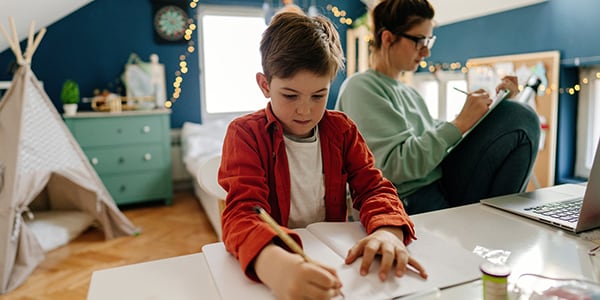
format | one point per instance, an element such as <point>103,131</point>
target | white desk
<point>535,248</point>
<point>178,278</point>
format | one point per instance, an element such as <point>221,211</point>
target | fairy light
<point>183,65</point>
<point>340,14</point>
<point>457,66</point>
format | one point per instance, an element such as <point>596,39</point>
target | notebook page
<point>446,262</point>
<point>233,284</point>
<point>355,286</point>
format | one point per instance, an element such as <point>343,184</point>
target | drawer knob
<point>146,129</point>
<point>94,160</point>
<point>122,188</point>
<point>121,160</point>
<point>119,130</point>
<point>147,156</point>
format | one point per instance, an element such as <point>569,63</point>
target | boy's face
<point>298,102</point>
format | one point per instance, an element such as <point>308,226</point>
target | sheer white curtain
<point>588,120</point>
<point>443,101</point>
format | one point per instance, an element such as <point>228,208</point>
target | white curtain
<point>588,120</point>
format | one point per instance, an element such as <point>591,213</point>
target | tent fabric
<point>39,156</point>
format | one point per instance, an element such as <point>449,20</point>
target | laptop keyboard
<point>563,210</point>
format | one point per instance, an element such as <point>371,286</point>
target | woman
<point>420,155</point>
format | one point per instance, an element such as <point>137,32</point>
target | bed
<point>201,154</point>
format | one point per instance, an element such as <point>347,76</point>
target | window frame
<point>442,78</point>
<point>223,10</point>
<point>588,107</point>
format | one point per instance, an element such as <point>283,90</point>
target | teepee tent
<point>40,160</point>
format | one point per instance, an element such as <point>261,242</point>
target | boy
<point>294,159</point>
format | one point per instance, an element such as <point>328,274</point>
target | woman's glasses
<point>420,42</point>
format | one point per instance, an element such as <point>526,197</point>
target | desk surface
<point>534,248</point>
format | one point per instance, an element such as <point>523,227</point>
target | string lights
<point>433,67</point>
<point>183,65</point>
<point>340,14</point>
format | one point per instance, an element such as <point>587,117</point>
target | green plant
<point>70,92</point>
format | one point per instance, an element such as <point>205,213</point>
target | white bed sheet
<point>200,144</point>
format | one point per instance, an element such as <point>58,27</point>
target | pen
<point>464,92</point>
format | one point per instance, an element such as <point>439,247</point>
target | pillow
<point>55,228</point>
<point>201,141</point>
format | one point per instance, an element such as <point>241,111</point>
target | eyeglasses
<point>420,42</point>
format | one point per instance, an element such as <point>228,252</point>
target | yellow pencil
<point>286,238</point>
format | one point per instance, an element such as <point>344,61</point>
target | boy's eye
<point>290,96</point>
<point>318,96</point>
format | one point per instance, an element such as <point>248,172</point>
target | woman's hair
<point>295,42</point>
<point>399,16</point>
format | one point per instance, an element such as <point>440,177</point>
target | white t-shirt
<point>307,194</point>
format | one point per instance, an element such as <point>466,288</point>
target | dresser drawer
<point>127,158</point>
<point>130,151</point>
<point>91,132</point>
<point>131,188</point>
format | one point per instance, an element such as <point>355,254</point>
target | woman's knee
<point>522,117</point>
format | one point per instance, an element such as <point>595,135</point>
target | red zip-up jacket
<point>254,171</point>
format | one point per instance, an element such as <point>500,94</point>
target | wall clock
<point>170,23</point>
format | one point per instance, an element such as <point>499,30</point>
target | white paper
<point>447,264</point>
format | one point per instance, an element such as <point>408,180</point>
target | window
<point>588,120</point>
<point>443,101</point>
<point>229,60</point>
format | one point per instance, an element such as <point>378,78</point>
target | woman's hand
<point>509,83</point>
<point>387,243</point>
<point>477,104</point>
<point>290,277</point>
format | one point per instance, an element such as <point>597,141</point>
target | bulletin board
<point>486,72</point>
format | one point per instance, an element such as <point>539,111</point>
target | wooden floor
<point>167,231</point>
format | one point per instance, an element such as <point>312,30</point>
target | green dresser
<point>131,151</point>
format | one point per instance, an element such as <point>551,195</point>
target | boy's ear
<point>263,84</point>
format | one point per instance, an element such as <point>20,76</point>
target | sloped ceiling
<point>42,12</point>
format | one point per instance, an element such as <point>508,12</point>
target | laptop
<point>574,207</point>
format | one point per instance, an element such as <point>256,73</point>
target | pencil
<point>286,238</point>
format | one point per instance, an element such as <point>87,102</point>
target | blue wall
<point>571,27</point>
<point>93,44</point>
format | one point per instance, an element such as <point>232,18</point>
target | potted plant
<point>70,97</point>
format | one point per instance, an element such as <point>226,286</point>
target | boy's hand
<point>386,242</point>
<point>290,277</point>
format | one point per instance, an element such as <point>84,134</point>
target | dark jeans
<point>496,158</point>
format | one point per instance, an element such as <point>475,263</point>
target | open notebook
<point>501,96</point>
<point>447,264</point>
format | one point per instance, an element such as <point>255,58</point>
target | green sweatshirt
<point>408,144</point>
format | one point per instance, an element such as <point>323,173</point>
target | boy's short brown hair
<point>294,42</point>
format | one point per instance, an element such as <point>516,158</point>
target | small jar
<point>494,279</point>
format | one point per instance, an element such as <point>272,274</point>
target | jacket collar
<point>272,121</point>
